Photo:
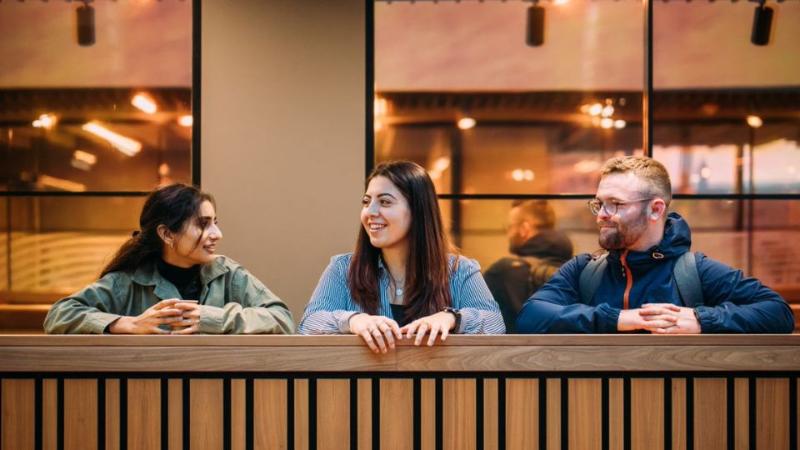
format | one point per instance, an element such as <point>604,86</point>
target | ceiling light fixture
<point>122,143</point>
<point>85,23</point>
<point>145,103</point>
<point>762,24</point>
<point>534,33</point>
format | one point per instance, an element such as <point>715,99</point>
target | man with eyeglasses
<point>648,280</point>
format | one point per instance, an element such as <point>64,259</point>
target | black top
<point>186,280</point>
<point>399,314</point>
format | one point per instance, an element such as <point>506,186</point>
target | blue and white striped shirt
<point>331,305</point>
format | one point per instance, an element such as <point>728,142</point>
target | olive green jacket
<point>231,301</point>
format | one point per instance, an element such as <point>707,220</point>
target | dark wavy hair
<point>171,206</point>
<point>427,269</point>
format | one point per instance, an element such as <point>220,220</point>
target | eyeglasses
<point>595,205</point>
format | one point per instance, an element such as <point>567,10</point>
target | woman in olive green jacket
<point>168,279</point>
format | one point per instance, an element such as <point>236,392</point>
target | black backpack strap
<point>591,276</point>
<point>688,280</point>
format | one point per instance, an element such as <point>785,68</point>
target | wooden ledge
<point>347,354</point>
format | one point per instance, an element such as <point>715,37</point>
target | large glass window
<point>95,111</point>
<point>460,90</point>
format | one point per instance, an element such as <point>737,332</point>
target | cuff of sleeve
<point>705,316</point>
<point>211,319</point>
<point>607,318</point>
<point>343,320</point>
<point>101,321</point>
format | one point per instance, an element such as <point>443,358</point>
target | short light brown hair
<point>647,169</point>
<point>540,210</point>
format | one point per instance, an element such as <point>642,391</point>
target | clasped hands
<point>380,333</point>
<point>659,318</point>
<point>182,316</point>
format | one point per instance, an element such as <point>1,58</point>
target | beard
<point>623,234</point>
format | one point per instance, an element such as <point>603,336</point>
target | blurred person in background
<point>537,251</point>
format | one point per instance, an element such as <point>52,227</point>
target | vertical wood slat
<point>647,414</point>
<point>80,414</point>
<point>144,414</point>
<point>112,414</point>
<point>333,414</point>
<point>269,414</point>
<point>522,413</point>
<point>742,410</point>
<point>205,414</point>
<point>428,411</point>
<point>49,414</point>
<point>553,414</point>
<point>772,413</point>
<point>397,411</point>
<point>678,414</point>
<point>490,409</point>
<point>175,414</point>
<point>238,414</point>
<point>585,414</point>
<point>459,414</point>
<point>300,414</point>
<point>18,414</point>
<point>616,406</point>
<point>364,414</point>
<point>710,411</point>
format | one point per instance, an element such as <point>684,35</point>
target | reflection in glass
<point>726,114</point>
<point>769,251</point>
<point>100,117</point>
<point>507,117</point>
<point>57,244</point>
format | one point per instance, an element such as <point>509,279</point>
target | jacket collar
<point>676,241</point>
<point>147,275</point>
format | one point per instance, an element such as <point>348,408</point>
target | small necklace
<point>398,291</point>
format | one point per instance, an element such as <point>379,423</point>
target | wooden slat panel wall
<point>18,414</point>
<point>770,413</point>
<point>333,414</point>
<point>585,414</point>
<point>364,415</point>
<point>238,414</point>
<point>710,411</point>
<point>80,415</point>
<point>397,419</point>
<point>459,414</point>
<point>144,414</point>
<point>678,414</point>
<point>616,413</point>
<point>175,414</point>
<point>553,414</point>
<point>205,415</point>
<point>742,419</point>
<point>772,401</point>
<point>49,414</point>
<point>428,412</point>
<point>269,414</point>
<point>647,414</point>
<point>300,414</point>
<point>490,410</point>
<point>522,413</point>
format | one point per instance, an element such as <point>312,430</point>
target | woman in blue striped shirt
<point>401,281</point>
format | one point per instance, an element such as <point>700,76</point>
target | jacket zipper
<point>628,280</point>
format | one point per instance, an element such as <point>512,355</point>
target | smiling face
<point>385,214</point>
<point>629,224</point>
<point>196,243</point>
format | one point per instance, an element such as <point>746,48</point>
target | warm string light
<point>602,115</point>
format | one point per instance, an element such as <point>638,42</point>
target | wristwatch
<point>457,314</point>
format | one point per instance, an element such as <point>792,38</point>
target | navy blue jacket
<point>732,303</point>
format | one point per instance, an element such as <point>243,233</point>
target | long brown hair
<point>171,206</point>
<point>427,268</point>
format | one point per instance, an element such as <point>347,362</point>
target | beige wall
<point>282,133</point>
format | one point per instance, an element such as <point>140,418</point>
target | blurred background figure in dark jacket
<point>537,251</point>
